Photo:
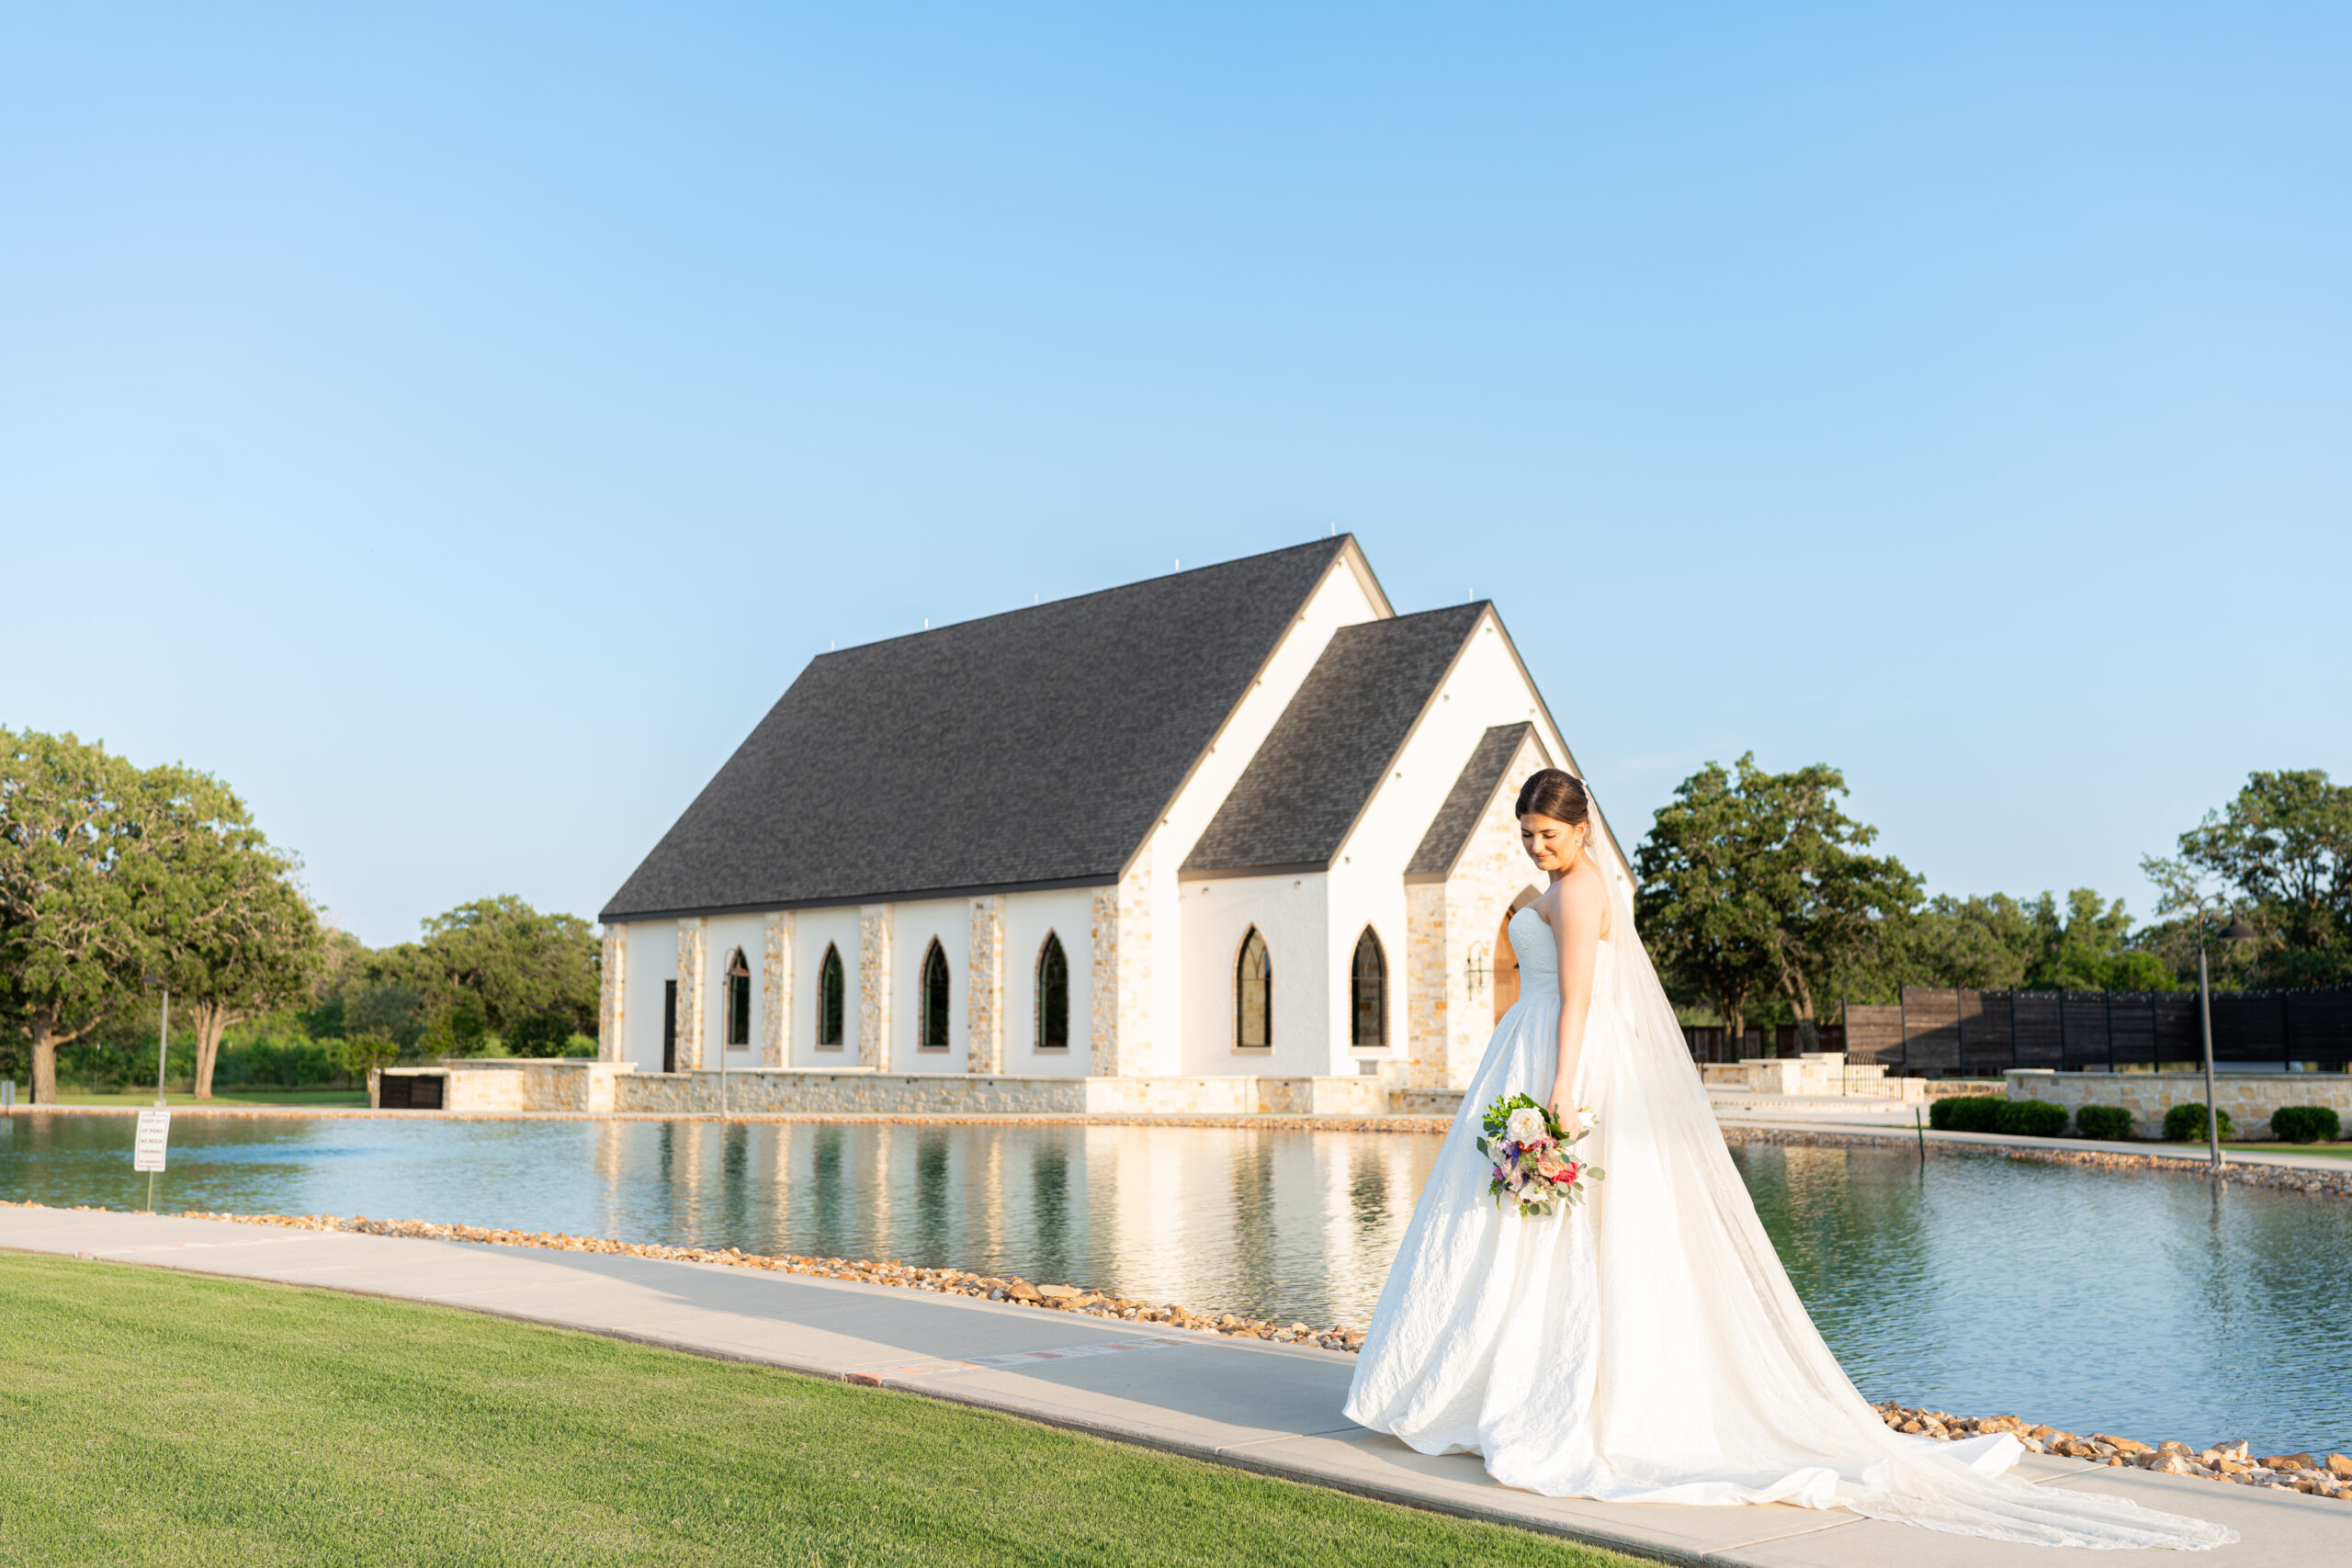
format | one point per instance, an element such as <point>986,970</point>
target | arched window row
<point>1053,996</point>
<point>1368,993</point>
<point>1253,995</point>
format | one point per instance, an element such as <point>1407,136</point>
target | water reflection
<point>2160,1306</point>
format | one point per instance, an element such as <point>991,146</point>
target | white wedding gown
<point>1647,1346</point>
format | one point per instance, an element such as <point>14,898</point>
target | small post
<point>1919,1124</point>
<point>2205,1020</point>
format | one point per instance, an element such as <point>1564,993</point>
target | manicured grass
<point>225,1097</point>
<point>158,1418</point>
<point>2337,1151</point>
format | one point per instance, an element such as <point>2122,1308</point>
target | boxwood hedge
<point>1967,1114</point>
<point>2032,1119</point>
<point>2185,1123</point>
<point>2107,1124</point>
<point>2306,1124</point>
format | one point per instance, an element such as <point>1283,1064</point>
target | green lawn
<point>155,1418</point>
<point>2338,1151</point>
<point>225,1097</point>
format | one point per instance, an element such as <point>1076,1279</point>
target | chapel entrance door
<point>1506,967</point>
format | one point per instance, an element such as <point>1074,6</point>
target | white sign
<point>154,1131</point>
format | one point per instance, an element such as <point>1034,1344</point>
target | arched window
<point>739,1001</point>
<point>1253,995</point>
<point>830,988</point>
<point>1368,993</point>
<point>1053,996</point>
<point>934,999</point>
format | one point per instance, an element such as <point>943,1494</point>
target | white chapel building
<point>1240,823</point>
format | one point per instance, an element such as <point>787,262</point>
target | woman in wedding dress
<point>1647,1346</point>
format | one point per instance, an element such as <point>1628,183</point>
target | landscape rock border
<point>2319,1477</point>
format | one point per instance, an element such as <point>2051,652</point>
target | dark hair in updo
<point>1548,792</point>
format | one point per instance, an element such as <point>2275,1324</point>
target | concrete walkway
<point>1263,1406</point>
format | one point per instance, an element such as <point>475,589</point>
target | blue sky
<point>455,426</point>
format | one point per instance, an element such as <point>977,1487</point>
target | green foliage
<point>2107,1124</point>
<point>2283,850</point>
<point>1997,942</point>
<point>1753,885</point>
<point>2186,1123</point>
<point>2032,1118</point>
<point>2306,1124</point>
<point>365,1054</point>
<point>579,1046</point>
<point>1967,1114</point>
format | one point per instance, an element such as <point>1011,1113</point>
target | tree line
<point>1762,902</point>
<point>117,883</point>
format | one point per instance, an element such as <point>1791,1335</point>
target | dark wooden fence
<point>1970,1033</point>
<point>1708,1044</point>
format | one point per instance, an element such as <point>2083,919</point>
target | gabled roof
<point>1465,802</point>
<point>1031,749</point>
<point>1302,790</point>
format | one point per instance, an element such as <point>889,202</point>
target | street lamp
<point>2237,930</point>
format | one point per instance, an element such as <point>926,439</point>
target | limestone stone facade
<point>984,988</point>
<point>1454,928</point>
<point>612,998</point>
<point>1120,998</point>
<point>692,939</point>
<point>775,989</point>
<point>2249,1097</point>
<point>873,986</point>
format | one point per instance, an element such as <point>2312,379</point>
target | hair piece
<point>1562,796</point>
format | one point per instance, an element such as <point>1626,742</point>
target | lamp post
<point>2237,930</point>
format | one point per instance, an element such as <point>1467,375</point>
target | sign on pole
<point>155,1129</point>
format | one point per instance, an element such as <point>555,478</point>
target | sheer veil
<point>1709,1365</point>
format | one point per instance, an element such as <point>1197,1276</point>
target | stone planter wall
<point>2249,1097</point>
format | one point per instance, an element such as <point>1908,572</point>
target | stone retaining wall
<point>2249,1097</point>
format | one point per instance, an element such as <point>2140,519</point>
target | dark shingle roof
<point>1033,747</point>
<point>1466,801</point>
<point>1304,789</point>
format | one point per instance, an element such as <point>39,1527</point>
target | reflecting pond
<point>2152,1305</point>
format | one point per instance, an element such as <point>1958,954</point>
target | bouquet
<point>1533,1167</point>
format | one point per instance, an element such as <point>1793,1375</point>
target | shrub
<point>1967,1114</point>
<point>2186,1123</point>
<point>2033,1119</point>
<point>2107,1124</point>
<point>2306,1124</point>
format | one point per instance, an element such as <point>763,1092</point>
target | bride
<point>1647,1347</point>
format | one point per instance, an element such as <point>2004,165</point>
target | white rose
<point>1526,1125</point>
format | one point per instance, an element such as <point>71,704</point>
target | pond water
<point>2156,1306</point>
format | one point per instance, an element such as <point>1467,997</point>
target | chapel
<point>1241,820</point>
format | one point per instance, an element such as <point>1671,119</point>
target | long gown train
<point>1647,1346</point>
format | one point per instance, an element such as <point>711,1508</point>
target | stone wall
<point>1814,1073</point>
<point>775,989</point>
<point>874,1041</point>
<point>690,989</point>
<point>1119,988</point>
<point>488,1086</point>
<point>612,1001</point>
<point>984,988</point>
<point>2249,1097</point>
<point>1454,1017</point>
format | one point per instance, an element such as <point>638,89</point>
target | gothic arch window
<point>934,997</point>
<point>830,989</point>
<point>1053,996</point>
<point>1368,993</point>
<point>1253,995</point>
<point>739,1001</point>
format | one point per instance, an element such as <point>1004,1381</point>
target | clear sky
<point>454,424</point>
